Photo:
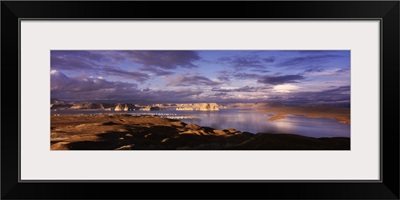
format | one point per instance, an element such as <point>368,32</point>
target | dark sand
<point>126,132</point>
<point>342,115</point>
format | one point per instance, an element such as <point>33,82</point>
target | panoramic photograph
<point>200,100</point>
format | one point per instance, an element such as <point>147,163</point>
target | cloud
<point>131,75</point>
<point>174,96</point>
<point>285,88</point>
<point>313,69</point>
<point>305,60</point>
<point>163,58</point>
<point>270,59</point>
<point>270,79</point>
<point>260,70</point>
<point>241,89</point>
<point>276,80</point>
<point>244,62</point>
<point>82,59</point>
<point>344,70</point>
<point>320,71</point>
<point>88,62</point>
<point>247,76</point>
<point>60,82</point>
<point>70,63</point>
<point>83,88</point>
<point>339,95</point>
<point>224,75</point>
<point>157,96</point>
<point>157,71</point>
<point>192,80</point>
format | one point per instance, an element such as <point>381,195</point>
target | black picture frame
<point>386,11</point>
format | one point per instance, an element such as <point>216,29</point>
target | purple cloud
<point>339,95</point>
<point>247,76</point>
<point>70,63</point>
<point>242,89</point>
<point>244,62</point>
<point>305,60</point>
<point>88,62</point>
<point>131,75</point>
<point>276,80</point>
<point>192,80</point>
<point>157,71</point>
<point>61,82</point>
<point>83,88</point>
<point>163,59</point>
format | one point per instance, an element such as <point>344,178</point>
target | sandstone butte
<point>198,106</point>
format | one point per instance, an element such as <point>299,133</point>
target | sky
<point>222,76</point>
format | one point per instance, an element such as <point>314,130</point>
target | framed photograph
<point>299,96</point>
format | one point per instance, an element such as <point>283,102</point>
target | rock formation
<point>184,108</point>
<point>88,106</point>
<point>124,107</point>
<point>198,106</point>
<point>207,106</point>
<point>150,108</point>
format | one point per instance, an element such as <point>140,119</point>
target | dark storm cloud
<point>305,60</point>
<point>331,96</point>
<point>276,80</point>
<point>163,59</point>
<point>192,80</point>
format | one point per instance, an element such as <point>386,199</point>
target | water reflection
<point>256,122</point>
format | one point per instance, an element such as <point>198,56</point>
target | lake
<point>247,120</point>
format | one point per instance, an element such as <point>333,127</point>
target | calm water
<point>251,121</point>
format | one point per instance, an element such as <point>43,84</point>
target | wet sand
<point>127,132</point>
